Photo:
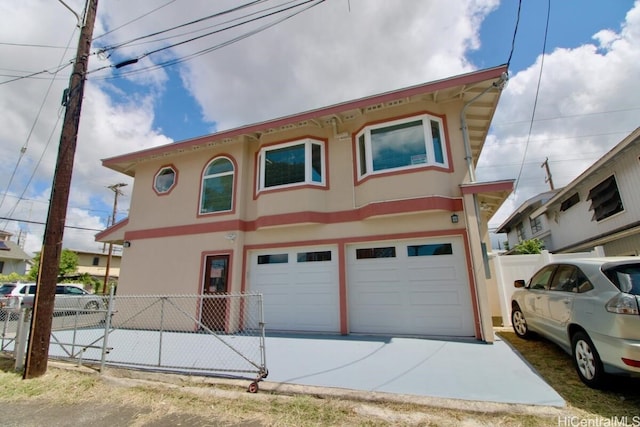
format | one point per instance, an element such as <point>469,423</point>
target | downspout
<point>498,85</point>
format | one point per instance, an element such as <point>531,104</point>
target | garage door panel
<point>433,273</point>
<point>300,295</point>
<point>378,299</point>
<point>429,299</point>
<point>419,292</point>
<point>378,275</point>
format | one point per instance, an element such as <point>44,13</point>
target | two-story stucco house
<point>601,207</point>
<point>362,217</point>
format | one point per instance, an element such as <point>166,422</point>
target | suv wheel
<point>519,323</point>
<point>587,361</point>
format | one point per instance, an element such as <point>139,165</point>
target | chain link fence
<point>215,335</point>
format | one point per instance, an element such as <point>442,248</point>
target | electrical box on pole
<point>42,317</point>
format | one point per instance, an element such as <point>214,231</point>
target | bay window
<point>293,163</point>
<point>401,144</point>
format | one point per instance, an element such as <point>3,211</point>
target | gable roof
<point>14,252</point>
<point>464,87</point>
<point>526,208</point>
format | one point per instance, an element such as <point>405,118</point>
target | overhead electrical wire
<point>515,32</point>
<point>24,148</point>
<point>134,20</point>
<point>209,49</point>
<point>535,102</point>
<point>174,36</point>
<point>215,15</point>
<point>36,73</point>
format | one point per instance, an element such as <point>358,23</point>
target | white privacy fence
<point>508,268</point>
<point>215,335</point>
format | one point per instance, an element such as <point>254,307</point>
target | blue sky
<point>336,51</point>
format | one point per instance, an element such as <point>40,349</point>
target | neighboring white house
<point>12,258</point>
<point>520,226</point>
<point>601,207</point>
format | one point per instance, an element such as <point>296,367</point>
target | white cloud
<point>587,103</point>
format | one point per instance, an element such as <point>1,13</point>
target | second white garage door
<point>299,287</point>
<point>410,288</point>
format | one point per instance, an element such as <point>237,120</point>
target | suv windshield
<point>626,277</point>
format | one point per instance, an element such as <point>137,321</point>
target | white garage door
<point>299,287</point>
<point>410,288</point>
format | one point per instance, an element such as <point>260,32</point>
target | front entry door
<point>216,274</point>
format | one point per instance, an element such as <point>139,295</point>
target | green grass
<point>620,398</point>
<point>152,401</point>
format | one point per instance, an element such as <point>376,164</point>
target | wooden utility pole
<point>548,178</point>
<point>116,189</point>
<point>42,317</point>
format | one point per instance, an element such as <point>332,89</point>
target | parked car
<point>590,308</point>
<point>68,296</point>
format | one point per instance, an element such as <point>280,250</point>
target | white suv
<point>68,296</point>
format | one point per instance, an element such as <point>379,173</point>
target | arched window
<point>217,186</point>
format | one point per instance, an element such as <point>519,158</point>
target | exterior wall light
<point>454,218</point>
<point>126,244</point>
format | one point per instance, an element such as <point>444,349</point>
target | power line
<point>515,32</point>
<point>24,148</point>
<point>209,49</point>
<point>568,116</point>
<point>560,138</point>
<point>37,73</point>
<point>43,223</point>
<point>133,20</point>
<point>46,46</point>
<point>535,102</point>
<point>215,15</point>
<point>133,44</point>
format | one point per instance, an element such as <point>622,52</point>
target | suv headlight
<point>623,304</point>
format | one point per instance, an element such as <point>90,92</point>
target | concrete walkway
<point>467,370</point>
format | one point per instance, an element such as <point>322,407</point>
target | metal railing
<point>214,335</point>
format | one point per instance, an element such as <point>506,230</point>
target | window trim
<point>362,138</point>
<point>172,186</point>
<point>308,143</point>
<point>233,188</point>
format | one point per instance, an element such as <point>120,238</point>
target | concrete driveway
<point>467,370</point>
<point>450,369</point>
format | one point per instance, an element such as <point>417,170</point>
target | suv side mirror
<point>520,283</point>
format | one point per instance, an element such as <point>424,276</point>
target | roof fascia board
<point>434,86</point>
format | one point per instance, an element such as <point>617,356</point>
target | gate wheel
<point>253,387</point>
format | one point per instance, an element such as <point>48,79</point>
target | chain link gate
<point>215,335</point>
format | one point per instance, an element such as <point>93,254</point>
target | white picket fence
<point>508,268</point>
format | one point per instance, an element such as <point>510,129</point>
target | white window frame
<point>308,166</point>
<point>428,139</point>
<point>160,173</point>
<point>218,175</point>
